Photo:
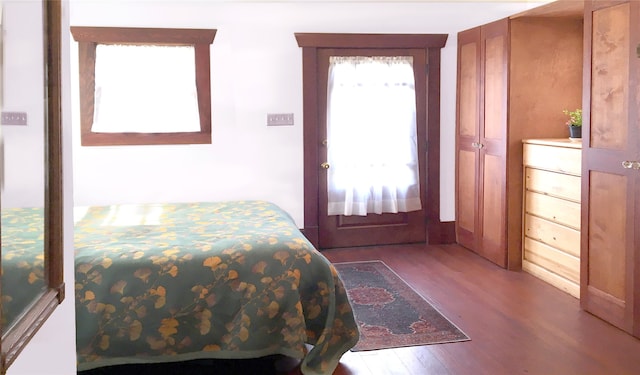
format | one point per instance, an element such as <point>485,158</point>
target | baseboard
<point>441,233</point>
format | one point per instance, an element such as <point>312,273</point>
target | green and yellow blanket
<point>172,282</point>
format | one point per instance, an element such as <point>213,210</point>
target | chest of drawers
<point>551,212</point>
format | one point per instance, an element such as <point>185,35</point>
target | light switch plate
<point>278,119</point>
<point>14,118</point>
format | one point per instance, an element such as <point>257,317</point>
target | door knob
<point>631,164</point>
<point>325,165</point>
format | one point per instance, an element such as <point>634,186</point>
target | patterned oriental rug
<point>389,312</point>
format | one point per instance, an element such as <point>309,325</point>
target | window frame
<point>89,37</point>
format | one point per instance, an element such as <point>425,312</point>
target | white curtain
<point>145,89</point>
<point>371,136</point>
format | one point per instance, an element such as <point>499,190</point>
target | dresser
<point>551,212</point>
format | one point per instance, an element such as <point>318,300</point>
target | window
<point>372,136</point>
<point>144,86</point>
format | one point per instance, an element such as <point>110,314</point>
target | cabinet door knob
<point>325,165</point>
<point>631,164</point>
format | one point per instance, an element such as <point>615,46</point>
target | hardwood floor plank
<point>421,357</point>
<point>516,322</point>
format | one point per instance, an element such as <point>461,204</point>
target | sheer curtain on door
<point>371,136</point>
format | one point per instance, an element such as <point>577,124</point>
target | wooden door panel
<point>468,91</point>
<point>467,137</point>
<point>494,87</point>
<point>466,202</point>
<point>605,279</point>
<point>492,155</point>
<point>608,197</point>
<point>493,211</point>
<point>384,229</point>
<point>610,78</point>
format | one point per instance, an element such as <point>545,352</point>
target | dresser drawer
<point>559,159</point>
<point>553,260</point>
<point>555,235</point>
<point>551,183</point>
<point>557,210</point>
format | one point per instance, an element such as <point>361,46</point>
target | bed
<point>161,283</point>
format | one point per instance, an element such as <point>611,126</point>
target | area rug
<point>389,312</point>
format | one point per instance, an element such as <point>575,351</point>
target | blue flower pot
<point>575,131</point>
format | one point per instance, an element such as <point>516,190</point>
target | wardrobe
<point>514,78</point>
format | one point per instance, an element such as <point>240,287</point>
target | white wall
<point>23,91</point>
<point>247,159</point>
<point>256,69</point>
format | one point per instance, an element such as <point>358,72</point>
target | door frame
<point>311,43</point>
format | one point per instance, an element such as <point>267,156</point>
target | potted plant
<point>574,122</point>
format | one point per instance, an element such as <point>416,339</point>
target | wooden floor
<point>517,323</point>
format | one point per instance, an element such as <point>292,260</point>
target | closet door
<point>467,137</point>
<point>481,140</point>
<point>610,243</point>
<point>493,141</point>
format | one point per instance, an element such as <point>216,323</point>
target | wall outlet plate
<point>14,118</point>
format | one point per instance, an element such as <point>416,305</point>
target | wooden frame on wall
<point>89,37</point>
<point>437,232</point>
<point>19,334</point>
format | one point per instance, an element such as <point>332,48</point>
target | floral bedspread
<point>170,282</point>
<point>22,261</point>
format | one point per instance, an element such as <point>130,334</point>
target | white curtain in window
<point>371,134</point>
<point>145,89</point>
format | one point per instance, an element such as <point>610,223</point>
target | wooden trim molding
<point>311,44</point>
<point>89,37</point>
<point>328,40</point>
<point>17,336</point>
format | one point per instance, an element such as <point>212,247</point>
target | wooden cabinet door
<point>493,141</point>
<point>467,137</point>
<point>481,140</point>
<point>610,242</point>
